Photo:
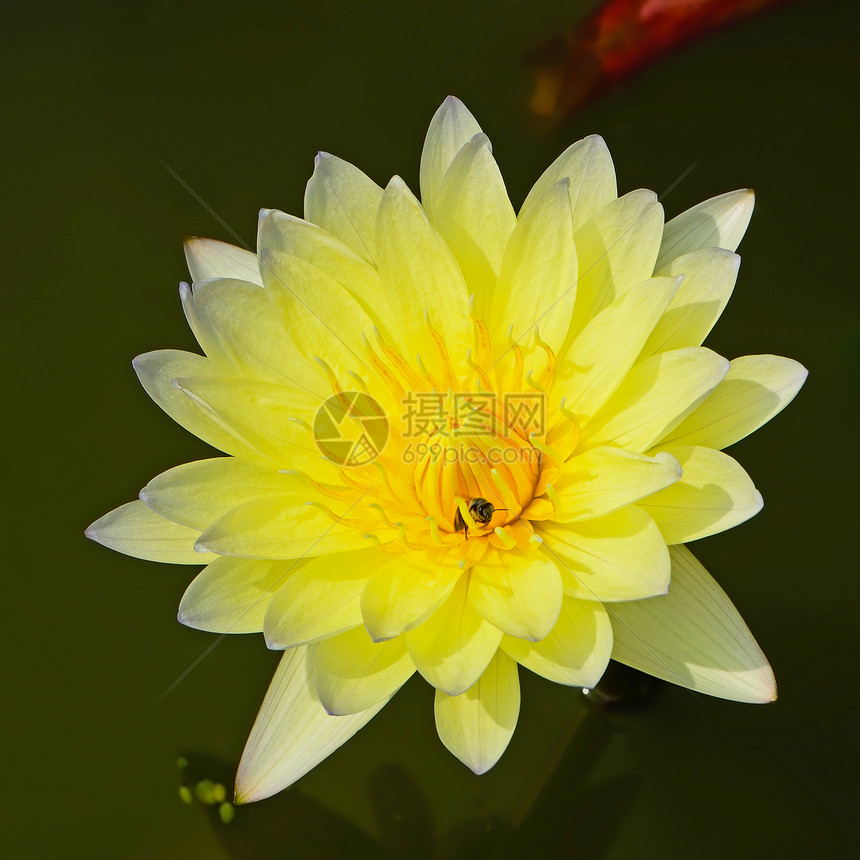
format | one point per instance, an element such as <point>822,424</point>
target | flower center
<point>472,450</point>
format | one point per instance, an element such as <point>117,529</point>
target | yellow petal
<point>292,733</point>
<point>655,397</point>
<point>518,592</point>
<point>708,280</point>
<point>716,223</point>
<point>603,480</point>
<point>451,128</point>
<point>621,556</point>
<point>261,414</point>
<point>756,388</point>
<point>208,258</point>
<point>322,599</point>
<point>240,327</point>
<point>303,263</point>
<point>231,594</point>
<point>283,526</point>
<point>714,494</point>
<point>537,281</point>
<point>196,494</point>
<point>588,166</point>
<point>136,530</point>
<point>343,200</point>
<point>600,357</point>
<point>475,217</point>
<point>693,637</point>
<point>404,591</point>
<point>454,645</point>
<point>418,273</point>
<point>616,249</point>
<point>477,725</point>
<point>157,370</point>
<point>577,649</point>
<point>352,672</point>
<point>321,316</point>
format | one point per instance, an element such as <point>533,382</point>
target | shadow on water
<point>567,816</point>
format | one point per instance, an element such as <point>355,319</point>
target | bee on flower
<point>534,514</point>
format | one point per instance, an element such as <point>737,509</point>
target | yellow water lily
<point>460,440</point>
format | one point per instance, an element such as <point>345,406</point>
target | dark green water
<point>236,98</point>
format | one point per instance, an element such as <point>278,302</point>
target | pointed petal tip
<point>596,140</point>
<point>765,688</point>
<point>273,644</point>
<point>244,794</point>
<point>396,182</point>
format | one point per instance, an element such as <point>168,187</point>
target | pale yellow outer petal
<point>756,388</point>
<point>157,370</point>
<point>403,592</point>
<point>693,637</point>
<point>655,397</point>
<point>616,249</point>
<point>136,530</point>
<point>603,480</point>
<point>231,594</point>
<point>477,725</point>
<point>322,317</point>
<point>709,277</point>
<point>621,556</point>
<point>714,494</point>
<point>537,281</point>
<point>588,165</point>
<point>196,494</point>
<point>716,223</point>
<point>517,591</point>
<point>303,258</point>
<point>292,733</point>
<point>322,599</point>
<point>352,672</point>
<point>601,355</point>
<point>451,128</point>
<point>475,217</point>
<point>454,645</point>
<point>242,329</point>
<point>577,650</point>
<point>280,527</point>
<point>343,200</point>
<point>263,415</point>
<point>419,273</point>
<point>209,258</point>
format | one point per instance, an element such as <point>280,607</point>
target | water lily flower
<point>459,440</point>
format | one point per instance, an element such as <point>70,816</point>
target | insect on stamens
<point>480,510</point>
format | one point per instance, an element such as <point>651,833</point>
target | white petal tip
<point>273,644</point>
<point>480,768</point>
<point>596,140</point>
